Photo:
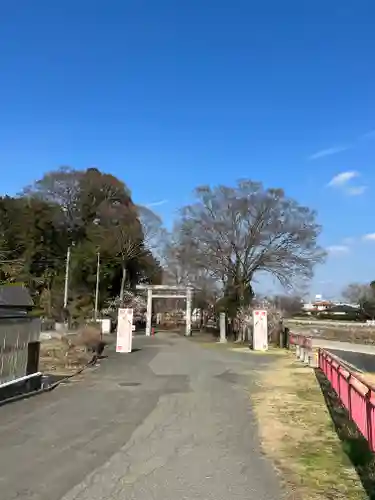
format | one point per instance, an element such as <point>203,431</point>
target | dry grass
<point>62,356</point>
<point>298,434</point>
<point>369,377</point>
<point>354,334</point>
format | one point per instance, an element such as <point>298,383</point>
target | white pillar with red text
<point>124,338</point>
<point>260,330</point>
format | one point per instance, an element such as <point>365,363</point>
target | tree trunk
<point>241,326</point>
<point>49,303</point>
<point>123,281</point>
<point>204,319</point>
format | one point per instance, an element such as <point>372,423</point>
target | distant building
<point>317,305</point>
<point>339,309</point>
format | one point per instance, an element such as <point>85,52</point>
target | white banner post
<point>124,330</point>
<point>260,330</point>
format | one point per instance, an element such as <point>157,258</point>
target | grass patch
<point>59,358</point>
<point>370,377</point>
<point>354,444</point>
<point>298,434</point>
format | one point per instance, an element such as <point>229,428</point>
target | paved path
<point>360,356</point>
<point>343,346</point>
<point>170,421</point>
<point>359,360</point>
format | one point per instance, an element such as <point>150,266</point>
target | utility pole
<point>66,278</point>
<point>97,288</point>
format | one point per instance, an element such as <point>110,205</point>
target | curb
<point>48,388</point>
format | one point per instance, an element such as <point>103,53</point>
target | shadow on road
<point>353,443</point>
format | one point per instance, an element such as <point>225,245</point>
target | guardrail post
<point>306,355</point>
<point>349,396</point>
<point>369,412</point>
<point>314,362</point>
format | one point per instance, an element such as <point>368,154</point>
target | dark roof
<point>15,296</point>
<point>343,308</point>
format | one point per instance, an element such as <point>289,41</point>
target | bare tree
<point>177,266</point>
<point>179,269</point>
<point>61,188</point>
<point>129,231</point>
<point>154,234</point>
<point>356,293</point>
<point>363,295</point>
<point>289,305</point>
<point>235,233</point>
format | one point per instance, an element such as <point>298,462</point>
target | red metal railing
<point>355,393</point>
<point>300,340</point>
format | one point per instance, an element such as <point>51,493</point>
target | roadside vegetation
<point>79,213</point>
<point>298,434</point>
<point>67,354</point>
<point>56,358</point>
<point>220,244</point>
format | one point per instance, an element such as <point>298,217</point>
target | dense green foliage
<point>90,212</point>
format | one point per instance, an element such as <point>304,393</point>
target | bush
<point>340,317</point>
<point>88,337</point>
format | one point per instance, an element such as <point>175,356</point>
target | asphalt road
<point>169,421</point>
<point>363,361</point>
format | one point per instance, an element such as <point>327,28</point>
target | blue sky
<point>170,94</point>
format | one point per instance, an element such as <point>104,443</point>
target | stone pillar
<point>149,312</point>
<point>301,353</point>
<point>314,360</point>
<point>223,335</point>
<point>306,358</point>
<point>188,312</point>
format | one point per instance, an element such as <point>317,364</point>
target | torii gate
<point>167,292</point>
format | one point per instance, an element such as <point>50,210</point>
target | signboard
<point>260,332</point>
<point>106,325</point>
<point>124,330</point>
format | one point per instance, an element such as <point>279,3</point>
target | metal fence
<point>355,393</point>
<point>303,347</point>
<point>15,335</point>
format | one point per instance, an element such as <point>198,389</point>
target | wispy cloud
<point>157,203</point>
<point>369,237</point>
<point>343,178</point>
<point>337,249</point>
<point>328,152</point>
<point>368,135</point>
<point>356,191</point>
<point>344,147</point>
